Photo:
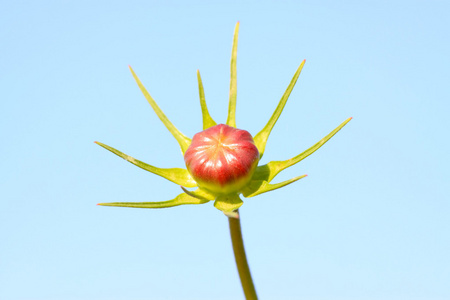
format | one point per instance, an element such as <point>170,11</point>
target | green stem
<point>241,259</point>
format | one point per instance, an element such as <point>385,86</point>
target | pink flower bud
<point>222,159</point>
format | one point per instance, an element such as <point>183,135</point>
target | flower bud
<point>222,159</point>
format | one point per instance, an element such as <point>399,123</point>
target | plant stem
<point>241,259</point>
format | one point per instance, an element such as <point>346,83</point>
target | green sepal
<point>207,120</point>
<point>231,119</point>
<point>228,203</point>
<point>257,187</point>
<point>182,140</point>
<point>199,194</point>
<point>176,175</point>
<point>181,199</point>
<point>268,171</point>
<point>262,136</point>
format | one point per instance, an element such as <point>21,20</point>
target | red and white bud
<point>222,159</point>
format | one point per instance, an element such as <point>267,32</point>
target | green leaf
<point>182,140</point>
<point>181,199</point>
<point>228,203</point>
<point>262,137</point>
<point>269,171</point>
<point>199,194</point>
<point>231,120</point>
<point>257,187</point>
<point>207,120</point>
<point>176,175</point>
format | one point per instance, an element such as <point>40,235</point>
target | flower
<point>221,160</point>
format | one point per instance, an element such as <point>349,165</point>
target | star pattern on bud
<point>222,161</point>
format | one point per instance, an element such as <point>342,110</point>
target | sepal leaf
<point>270,170</point>
<point>199,194</point>
<point>262,136</point>
<point>176,175</point>
<point>231,119</point>
<point>182,140</point>
<point>257,187</point>
<point>207,119</point>
<point>181,199</point>
<point>228,203</point>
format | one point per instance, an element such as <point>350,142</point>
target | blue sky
<point>371,221</point>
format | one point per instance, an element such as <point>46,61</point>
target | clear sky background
<point>371,221</point>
